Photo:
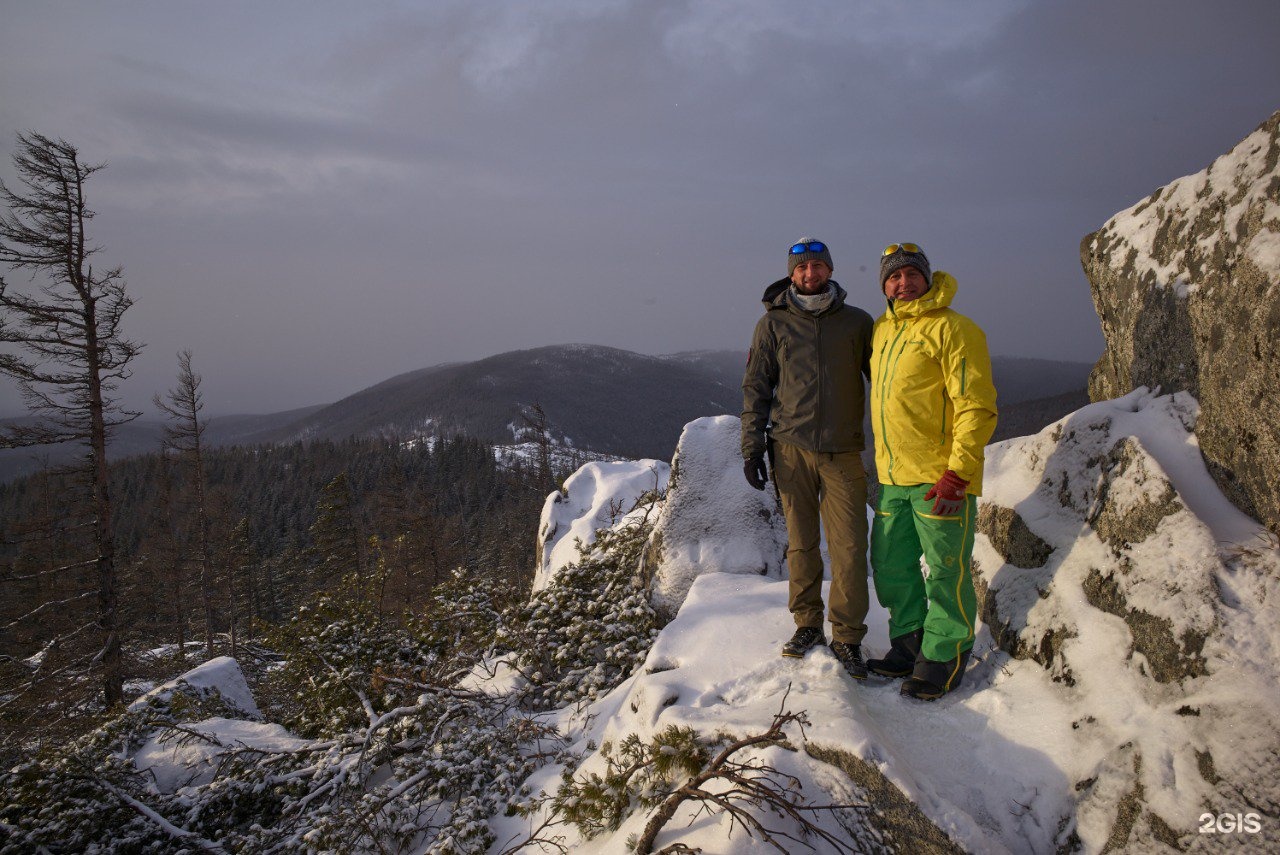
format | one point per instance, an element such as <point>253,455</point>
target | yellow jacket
<point>933,404</point>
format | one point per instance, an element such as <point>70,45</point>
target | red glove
<point>948,494</point>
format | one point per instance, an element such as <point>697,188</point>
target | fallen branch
<point>754,786</point>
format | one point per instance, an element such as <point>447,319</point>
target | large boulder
<point>712,521</point>
<point>1107,555</point>
<point>705,517</point>
<point>1184,284</point>
<point>598,496</point>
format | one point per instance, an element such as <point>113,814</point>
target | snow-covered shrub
<point>589,629</point>
<point>637,775</point>
<point>345,660</point>
<point>88,794</point>
<point>422,778</point>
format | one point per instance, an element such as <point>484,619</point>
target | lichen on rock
<point>1184,286</point>
<point>1008,533</point>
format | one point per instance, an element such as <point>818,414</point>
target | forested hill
<point>283,522</point>
<point>600,398</point>
<point>604,399</point>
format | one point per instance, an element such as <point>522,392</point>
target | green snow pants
<point>905,529</point>
<point>832,487</point>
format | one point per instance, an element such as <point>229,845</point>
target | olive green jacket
<point>804,378</point>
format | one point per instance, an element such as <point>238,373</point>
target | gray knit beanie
<point>807,249</point>
<point>903,258</point>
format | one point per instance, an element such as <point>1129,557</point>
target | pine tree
<point>243,562</point>
<point>335,535</point>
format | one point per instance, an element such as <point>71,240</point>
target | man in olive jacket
<point>933,411</point>
<point>803,403</point>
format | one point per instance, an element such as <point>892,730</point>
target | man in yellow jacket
<point>933,410</point>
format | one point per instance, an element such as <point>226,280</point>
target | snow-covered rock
<point>596,496</point>
<point>176,759</point>
<point>1184,283</point>
<point>1153,603</point>
<point>1123,686</point>
<point>712,520</point>
<point>709,521</point>
<point>220,677</point>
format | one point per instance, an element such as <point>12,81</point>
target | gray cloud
<point>315,197</point>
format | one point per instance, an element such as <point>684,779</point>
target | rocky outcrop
<point>1092,562</point>
<point>711,520</point>
<point>597,496</point>
<point>1169,658</point>
<point>1154,571</point>
<point>1184,283</point>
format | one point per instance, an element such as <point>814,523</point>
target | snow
<point>561,455</point>
<point>716,668</point>
<point>221,674</point>
<point>594,497</point>
<point>1018,758</point>
<point>1264,249</point>
<point>713,518</point>
<point>1234,187</point>
<point>176,760</point>
<point>1023,755</point>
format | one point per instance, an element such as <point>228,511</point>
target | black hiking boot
<point>850,656</point>
<point>901,658</point>
<point>805,639</point>
<point>931,680</point>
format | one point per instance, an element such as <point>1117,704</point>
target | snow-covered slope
<point>1143,698</point>
<point>1123,695</point>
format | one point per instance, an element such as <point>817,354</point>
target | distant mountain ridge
<point>600,398</point>
<point>595,397</point>
<point>141,436</point>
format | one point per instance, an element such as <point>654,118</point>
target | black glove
<point>753,468</point>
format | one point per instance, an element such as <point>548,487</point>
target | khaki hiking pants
<point>831,487</point>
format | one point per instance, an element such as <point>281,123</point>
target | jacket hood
<point>941,292</point>
<point>775,296</point>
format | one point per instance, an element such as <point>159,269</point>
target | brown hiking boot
<point>850,656</point>
<point>805,639</point>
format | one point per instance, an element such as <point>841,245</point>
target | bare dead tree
<point>71,351</point>
<point>169,547</point>
<point>184,434</point>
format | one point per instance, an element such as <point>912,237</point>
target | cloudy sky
<point>315,196</point>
